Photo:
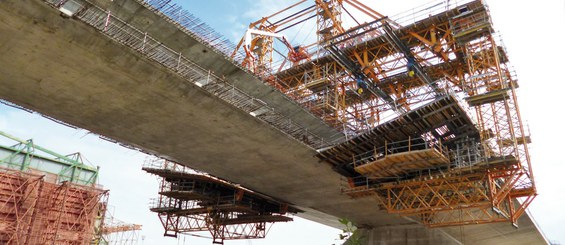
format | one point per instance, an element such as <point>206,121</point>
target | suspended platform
<point>487,98</point>
<point>404,163</point>
<point>442,122</point>
<point>193,202</point>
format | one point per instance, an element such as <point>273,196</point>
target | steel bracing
<point>35,211</point>
<point>117,232</point>
<point>45,197</point>
<point>428,100</point>
<point>420,95</point>
<point>191,202</point>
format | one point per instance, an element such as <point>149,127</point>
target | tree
<point>350,234</point>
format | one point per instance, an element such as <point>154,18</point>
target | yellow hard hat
<point>360,90</point>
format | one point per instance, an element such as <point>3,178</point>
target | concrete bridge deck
<point>66,69</point>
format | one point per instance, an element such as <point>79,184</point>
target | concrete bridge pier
<point>404,235</point>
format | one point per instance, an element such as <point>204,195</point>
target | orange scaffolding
<point>117,232</point>
<point>424,95</point>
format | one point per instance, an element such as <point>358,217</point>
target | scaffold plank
<point>395,165</point>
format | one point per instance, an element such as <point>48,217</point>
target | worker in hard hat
<point>361,84</point>
<point>410,66</point>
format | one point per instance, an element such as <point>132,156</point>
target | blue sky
<point>530,32</point>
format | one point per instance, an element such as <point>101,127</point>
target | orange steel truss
<point>121,228</point>
<point>115,231</point>
<point>477,196</point>
<point>35,209</point>
<point>481,194</point>
<point>367,70</point>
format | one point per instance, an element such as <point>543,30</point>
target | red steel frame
<point>36,210</point>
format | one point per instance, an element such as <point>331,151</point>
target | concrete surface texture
<point>65,69</point>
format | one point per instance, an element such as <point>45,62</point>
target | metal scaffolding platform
<point>193,202</point>
<point>389,84</point>
<point>395,165</point>
<point>442,121</point>
<point>392,86</point>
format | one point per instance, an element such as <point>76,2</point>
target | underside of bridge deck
<point>62,68</point>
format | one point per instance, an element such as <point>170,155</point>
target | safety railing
<point>164,203</point>
<point>390,148</point>
<point>359,34</point>
<point>470,23</point>
<point>193,26</point>
<point>152,162</point>
<point>426,10</point>
<point>140,41</point>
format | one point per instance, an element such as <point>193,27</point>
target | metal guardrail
<point>199,30</point>
<point>426,10</point>
<point>127,35</point>
<point>391,148</point>
<point>163,164</point>
<point>194,27</point>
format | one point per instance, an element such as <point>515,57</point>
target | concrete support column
<point>405,235</point>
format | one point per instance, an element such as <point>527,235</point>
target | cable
<point>308,36</point>
<point>296,34</point>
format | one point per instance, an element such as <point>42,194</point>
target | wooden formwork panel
<point>401,163</point>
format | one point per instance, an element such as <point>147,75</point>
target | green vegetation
<point>350,234</point>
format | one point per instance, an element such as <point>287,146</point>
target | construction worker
<point>361,85</point>
<point>410,66</point>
